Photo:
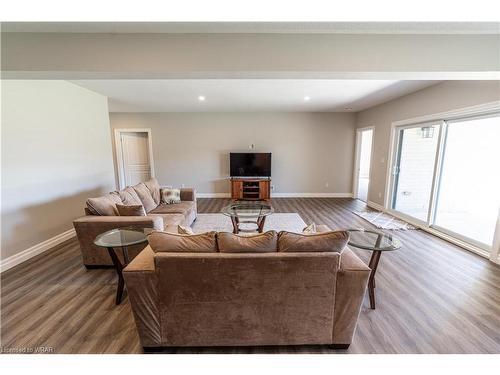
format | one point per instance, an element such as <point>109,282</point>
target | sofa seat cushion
<point>105,205</point>
<point>145,196</point>
<point>171,219</point>
<point>257,243</point>
<point>175,208</point>
<point>321,242</point>
<point>180,243</point>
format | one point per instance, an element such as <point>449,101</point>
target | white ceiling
<point>257,27</point>
<point>249,95</point>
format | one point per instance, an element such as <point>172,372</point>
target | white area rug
<point>384,221</point>
<point>221,223</point>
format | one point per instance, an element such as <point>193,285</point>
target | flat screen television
<point>250,164</point>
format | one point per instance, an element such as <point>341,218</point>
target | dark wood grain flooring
<point>432,297</point>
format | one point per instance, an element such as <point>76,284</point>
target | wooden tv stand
<point>250,188</point>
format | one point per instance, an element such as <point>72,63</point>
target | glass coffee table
<point>248,212</point>
<point>121,237</point>
<point>377,242</point>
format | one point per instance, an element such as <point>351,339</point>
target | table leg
<point>375,258</point>
<point>119,268</point>
<point>125,255</point>
<point>260,224</point>
<point>235,222</point>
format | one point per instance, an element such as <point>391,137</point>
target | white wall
<point>56,152</point>
<point>442,97</point>
<point>309,150</point>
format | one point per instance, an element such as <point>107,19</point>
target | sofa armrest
<point>143,262</point>
<point>188,194</point>
<point>88,227</point>
<point>141,281</point>
<point>352,279</point>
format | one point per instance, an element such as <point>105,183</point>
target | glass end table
<point>121,237</point>
<point>377,242</point>
<point>248,212</point>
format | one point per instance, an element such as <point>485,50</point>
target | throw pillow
<point>178,243</point>
<point>327,241</point>
<point>257,243</point>
<point>105,205</point>
<point>145,196</point>
<point>310,229</point>
<point>170,196</point>
<point>134,210</point>
<point>184,230</point>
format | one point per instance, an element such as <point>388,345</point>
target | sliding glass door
<point>469,189</point>
<point>446,175</point>
<point>414,169</point>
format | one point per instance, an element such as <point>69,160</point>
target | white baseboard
<point>213,195</point>
<point>282,195</point>
<point>311,195</point>
<point>24,255</point>
<point>376,206</point>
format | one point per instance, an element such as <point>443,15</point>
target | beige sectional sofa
<point>221,289</point>
<point>102,215</point>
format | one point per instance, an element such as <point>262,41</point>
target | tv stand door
<point>236,189</point>
<point>264,189</point>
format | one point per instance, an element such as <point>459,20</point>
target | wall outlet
<point>272,187</point>
<point>327,184</point>
<point>252,146</point>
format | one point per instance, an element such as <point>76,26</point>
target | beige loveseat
<point>215,289</point>
<point>101,216</point>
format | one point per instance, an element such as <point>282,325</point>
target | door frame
<point>357,160</point>
<point>119,153</point>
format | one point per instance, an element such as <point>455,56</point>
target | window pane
<point>415,169</point>
<point>469,193</point>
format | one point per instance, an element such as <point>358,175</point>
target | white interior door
<point>364,154</point>
<point>136,163</point>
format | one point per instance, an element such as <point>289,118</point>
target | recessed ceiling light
<point>348,109</point>
<point>307,98</point>
<point>201,98</point>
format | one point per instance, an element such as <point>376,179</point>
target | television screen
<point>250,164</point>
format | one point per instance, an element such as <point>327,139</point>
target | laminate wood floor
<point>432,297</point>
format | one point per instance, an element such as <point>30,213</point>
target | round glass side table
<point>377,243</point>
<point>120,237</point>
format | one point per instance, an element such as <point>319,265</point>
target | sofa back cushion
<point>258,243</point>
<point>180,243</point>
<point>145,196</point>
<point>129,196</point>
<point>154,188</point>
<point>105,205</point>
<point>325,242</point>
